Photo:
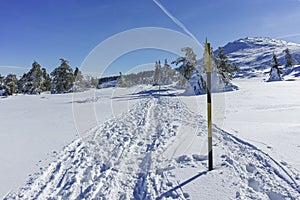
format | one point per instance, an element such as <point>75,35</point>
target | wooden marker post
<point>207,62</point>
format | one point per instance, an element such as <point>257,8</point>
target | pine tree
<point>2,86</point>
<point>121,82</point>
<point>276,62</point>
<point>21,83</point>
<point>46,84</point>
<point>189,63</point>
<point>275,72</point>
<point>167,73</point>
<point>225,68</point>
<point>94,82</point>
<point>35,81</point>
<point>79,84</point>
<point>10,83</point>
<point>1,80</point>
<point>62,78</point>
<point>190,56</point>
<point>157,73</point>
<point>288,58</point>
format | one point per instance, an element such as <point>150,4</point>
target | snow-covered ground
<point>267,114</point>
<point>35,127</point>
<point>144,144</point>
<point>32,127</point>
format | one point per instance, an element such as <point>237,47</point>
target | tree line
<point>61,80</point>
<point>64,80</point>
<point>182,76</point>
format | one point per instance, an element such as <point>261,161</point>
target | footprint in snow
<point>250,168</point>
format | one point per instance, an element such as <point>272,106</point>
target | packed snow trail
<point>137,155</point>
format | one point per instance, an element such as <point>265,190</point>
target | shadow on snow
<point>169,193</point>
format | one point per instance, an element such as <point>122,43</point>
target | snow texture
<point>148,153</point>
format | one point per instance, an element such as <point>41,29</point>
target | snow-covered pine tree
<point>276,71</point>
<point>21,83</point>
<point>2,86</point>
<point>192,62</point>
<point>79,84</point>
<point>90,81</point>
<point>1,81</point>
<point>191,74</point>
<point>225,68</point>
<point>157,73</point>
<point>46,83</point>
<point>288,58</point>
<point>10,83</point>
<point>167,74</point>
<point>35,78</point>
<point>187,67</point>
<point>35,81</point>
<point>274,75</point>
<point>93,82</point>
<point>276,62</point>
<point>62,78</point>
<point>121,82</point>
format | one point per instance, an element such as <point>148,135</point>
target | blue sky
<point>50,29</point>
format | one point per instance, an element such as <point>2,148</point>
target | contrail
<point>176,21</point>
<point>13,67</point>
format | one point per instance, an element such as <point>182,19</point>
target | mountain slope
<point>254,55</point>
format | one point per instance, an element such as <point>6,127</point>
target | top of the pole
<point>207,56</point>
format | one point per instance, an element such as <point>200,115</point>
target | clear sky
<point>51,29</point>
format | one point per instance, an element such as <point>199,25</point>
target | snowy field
<point>139,143</point>
<point>265,114</point>
<point>35,127</point>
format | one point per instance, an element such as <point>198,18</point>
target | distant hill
<point>254,55</point>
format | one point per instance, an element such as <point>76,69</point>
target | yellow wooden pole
<point>207,62</point>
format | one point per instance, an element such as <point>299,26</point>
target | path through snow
<point>156,150</point>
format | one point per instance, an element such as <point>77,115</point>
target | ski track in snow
<point>125,158</point>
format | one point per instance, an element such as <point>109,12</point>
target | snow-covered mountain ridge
<point>254,55</point>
